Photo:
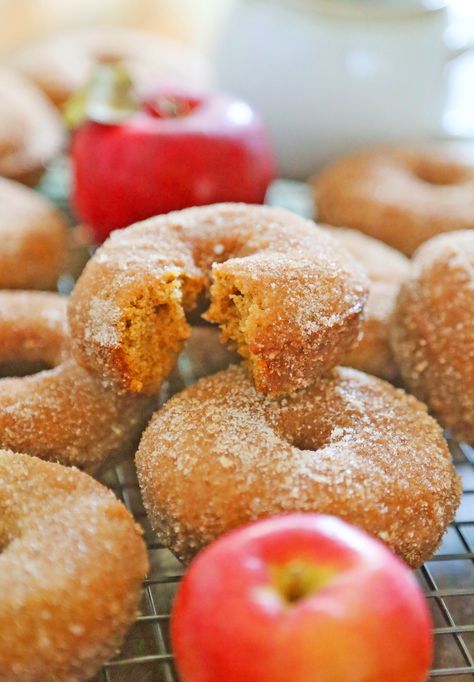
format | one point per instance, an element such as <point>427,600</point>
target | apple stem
<point>107,98</point>
<point>298,579</point>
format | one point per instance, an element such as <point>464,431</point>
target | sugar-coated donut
<point>31,131</point>
<point>220,454</point>
<point>63,64</point>
<point>60,414</point>
<point>34,238</point>
<point>401,196</point>
<point>386,269</point>
<point>433,330</point>
<point>71,569</point>
<point>282,291</point>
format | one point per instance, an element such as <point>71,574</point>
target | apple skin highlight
<point>348,610</point>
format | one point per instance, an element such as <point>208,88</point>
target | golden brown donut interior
<point>154,319</point>
<point>63,414</point>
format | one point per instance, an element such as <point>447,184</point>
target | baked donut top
<point>72,562</point>
<point>63,64</point>
<point>402,196</point>
<point>455,251</point>
<point>24,215</point>
<point>350,444</point>
<point>33,328</point>
<point>345,412</point>
<point>382,263</point>
<point>49,405</point>
<point>386,269</point>
<point>287,296</point>
<point>433,330</point>
<point>31,132</point>
<point>442,275</point>
<point>391,174</point>
<point>26,499</point>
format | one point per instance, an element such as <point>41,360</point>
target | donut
<point>63,64</point>
<point>433,330</point>
<point>401,196</point>
<point>61,413</point>
<point>219,454</point>
<point>285,295</point>
<point>34,237</point>
<point>386,269</point>
<point>71,571</point>
<point>31,131</point>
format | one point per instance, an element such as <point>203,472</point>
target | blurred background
<point>323,81</point>
<point>196,23</point>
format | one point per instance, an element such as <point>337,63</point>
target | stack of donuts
<point>293,411</point>
<point>287,430</point>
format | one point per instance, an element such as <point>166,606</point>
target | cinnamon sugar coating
<point>220,454</point>
<point>34,237</point>
<point>62,413</point>
<point>284,294</point>
<point>401,196</point>
<point>386,269</point>
<point>31,131</point>
<point>433,330</point>
<point>72,563</point>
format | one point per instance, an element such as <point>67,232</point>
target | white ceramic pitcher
<point>329,76</point>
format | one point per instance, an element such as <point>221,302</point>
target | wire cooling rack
<point>447,581</point>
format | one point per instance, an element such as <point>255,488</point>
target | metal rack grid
<point>447,581</point>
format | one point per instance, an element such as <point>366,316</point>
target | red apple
<point>300,598</point>
<point>174,149</point>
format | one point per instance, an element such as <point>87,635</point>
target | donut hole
<point>435,172</point>
<point>8,147</point>
<point>19,368</point>
<point>302,433</point>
